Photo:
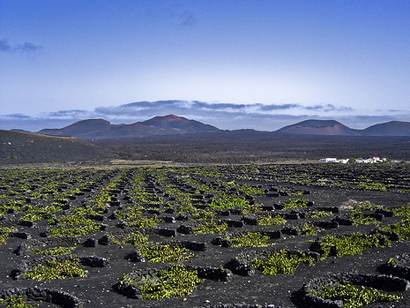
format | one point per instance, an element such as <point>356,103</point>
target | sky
<point>256,64</point>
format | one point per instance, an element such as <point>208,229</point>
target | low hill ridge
<point>319,127</point>
<point>174,125</point>
<point>392,128</point>
<point>159,125</point>
<point>22,147</point>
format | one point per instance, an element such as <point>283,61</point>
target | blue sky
<point>233,64</point>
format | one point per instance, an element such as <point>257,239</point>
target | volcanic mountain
<point>319,127</point>
<point>102,129</point>
<point>393,128</point>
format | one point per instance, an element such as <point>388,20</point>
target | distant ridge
<point>319,127</point>
<point>101,129</point>
<point>393,128</point>
<point>81,128</point>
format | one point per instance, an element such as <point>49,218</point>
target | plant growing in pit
<point>211,228</point>
<point>55,251</point>
<point>296,204</point>
<point>319,214</point>
<point>144,222</point>
<point>282,262</point>
<point>15,302</point>
<point>174,282</point>
<point>251,240</point>
<point>75,230</point>
<point>402,228</point>
<point>3,238</point>
<point>351,245</point>
<point>353,297</point>
<point>203,215</point>
<point>307,229</point>
<point>55,269</point>
<point>165,253</point>
<point>403,211</point>
<point>272,221</point>
<point>135,238</point>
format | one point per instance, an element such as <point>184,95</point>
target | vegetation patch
<point>282,262</point>
<point>402,228</point>
<point>255,239</point>
<point>15,302</point>
<point>75,230</point>
<point>351,245</point>
<point>307,229</point>
<point>272,220</point>
<point>55,251</point>
<point>353,297</point>
<point>177,281</point>
<point>3,238</point>
<point>403,211</point>
<point>57,269</point>
<point>296,204</point>
<point>319,214</point>
<point>211,228</point>
<point>165,253</point>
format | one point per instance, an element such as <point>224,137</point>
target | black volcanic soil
<point>225,147</point>
<point>249,146</point>
<point>326,186</point>
<point>21,147</point>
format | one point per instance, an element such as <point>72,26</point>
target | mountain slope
<point>102,129</point>
<point>319,127</point>
<point>21,147</point>
<point>393,128</point>
<point>179,123</point>
<point>80,128</point>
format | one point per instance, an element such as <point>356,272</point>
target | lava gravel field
<point>207,236</point>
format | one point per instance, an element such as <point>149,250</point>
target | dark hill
<point>180,123</point>
<point>393,128</point>
<point>20,147</point>
<point>80,128</point>
<point>102,129</point>
<point>319,127</point>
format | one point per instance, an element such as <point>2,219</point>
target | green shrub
<point>54,269</point>
<point>55,251</point>
<point>360,219</point>
<point>353,297</point>
<point>165,253</point>
<point>75,230</point>
<point>3,238</point>
<point>372,186</point>
<point>175,282</point>
<point>320,214</point>
<point>272,221</point>
<point>307,229</point>
<point>145,222</point>
<point>403,211</point>
<point>15,302</point>
<point>136,239</point>
<point>296,204</point>
<point>203,215</point>
<point>251,240</point>
<point>351,245</point>
<point>252,208</point>
<point>402,228</point>
<point>282,262</point>
<point>211,228</point>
